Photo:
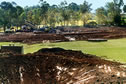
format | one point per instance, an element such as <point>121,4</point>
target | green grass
<point>113,49</point>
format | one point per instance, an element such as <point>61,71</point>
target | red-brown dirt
<point>77,33</point>
<point>59,66</point>
<point>31,37</point>
<point>92,33</point>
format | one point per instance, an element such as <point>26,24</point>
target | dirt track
<point>59,66</point>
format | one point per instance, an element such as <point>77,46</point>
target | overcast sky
<point>95,3</point>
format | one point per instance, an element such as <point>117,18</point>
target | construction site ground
<point>59,66</point>
<point>78,34</point>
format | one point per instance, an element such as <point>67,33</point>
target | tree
<point>85,7</point>
<point>101,15</point>
<point>73,13</point>
<point>65,12</point>
<point>8,14</point>
<point>18,21</point>
<point>74,18</point>
<point>36,16</point>
<point>118,3</point>
<point>85,17</point>
<point>3,19</point>
<point>114,10</point>
<point>51,18</point>
<point>66,16</point>
<point>44,10</point>
<point>124,8</point>
<point>74,7</point>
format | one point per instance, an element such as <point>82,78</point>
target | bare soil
<point>94,33</point>
<point>77,33</point>
<point>31,38</point>
<point>59,66</point>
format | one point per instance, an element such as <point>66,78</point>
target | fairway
<point>113,49</point>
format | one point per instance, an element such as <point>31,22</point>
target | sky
<point>95,3</point>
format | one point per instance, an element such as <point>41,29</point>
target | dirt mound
<point>59,67</point>
<point>50,50</point>
<point>94,33</point>
<point>31,38</point>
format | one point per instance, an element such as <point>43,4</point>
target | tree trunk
<point>17,27</point>
<point>4,28</point>
<point>84,23</point>
<point>64,23</point>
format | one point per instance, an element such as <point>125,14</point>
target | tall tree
<point>44,10</point>
<point>85,9</point>
<point>111,12</point>
<point>65,13</point>
<point>3,19</point>
<point>74,7</point>
<point>114,12</point>
<point>101,16</point>
<point>85,17</point>
<point>8,14</point>
<point>124,8</point>
<point>36,16</point>
<point>118,4</point>
<point>51,18</point>
<point>17,21</point>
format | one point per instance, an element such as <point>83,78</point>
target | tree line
<point>63,14</point>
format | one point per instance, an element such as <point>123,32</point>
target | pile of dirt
<point>59,66</point>
<point>94,33</point>
<point>31,38</point>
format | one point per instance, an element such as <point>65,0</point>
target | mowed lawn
<point>113,49</point>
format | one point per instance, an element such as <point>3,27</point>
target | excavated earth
<point>59,66</point>
<point>77,33</point>
<point>31,37</point>
<point>95,33</point>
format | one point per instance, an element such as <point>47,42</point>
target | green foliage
<point>124,8</point>
<point>85,7</point>
<point>114,9</point>
<point>10,14</point>
<point>74,7</point>
<point>101,16</point>
<point>85,17</point>
<point>43,11</point>
<point>118,3</point>
<point>51,18</point>
<point>43,14</point>
<point>63,14</point>
<point>111,14</point>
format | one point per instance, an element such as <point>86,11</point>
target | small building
<point>13,48</point>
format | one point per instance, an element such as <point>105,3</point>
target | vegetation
<point>63,14</point>
<point>10,14</point>
<point>111,13</point>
